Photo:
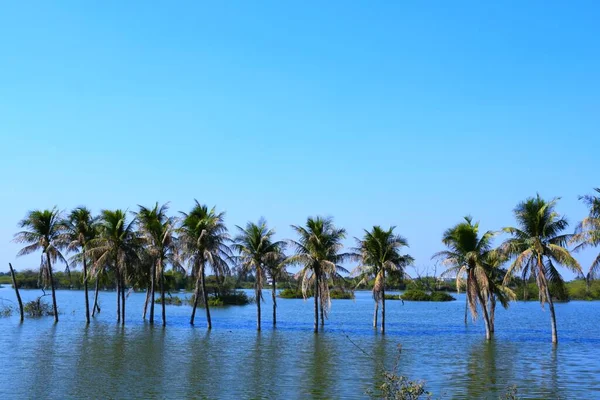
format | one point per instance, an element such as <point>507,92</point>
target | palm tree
<point>256,248</point>
<point>317,250</point>
<point>157,229</point>
<point>537,246</point>
<point>466,255</point>
<point>276,269</point>
<point>203,236</point>
<point>80,229</point>
<point>116,247</point>
<point>379,252</point>
<point>587,232</point>
<point>42,230</point>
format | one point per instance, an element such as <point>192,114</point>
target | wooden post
<point>14,280</point>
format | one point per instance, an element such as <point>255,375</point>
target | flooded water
<point>103,360</point>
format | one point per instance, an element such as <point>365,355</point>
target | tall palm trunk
<point>316,295</point>
<point>258,295</point>
<point>488,333</point>
<point>375,314</point>
<point>54,307</point>
<point>321,309</point>
<point>162,294</point>
<point>492,312</point>
<point>383,301</point>
<point>118,278</point>
<point>95,306</point>
<point>274,294</point>
<point>196,297</point>
<point>550,303</point>
<point>466,309</point>
<point>152,286</point>
<point>205,297</point>
<point>85,289</point>
<point>146,302</point>
<point>122,299</point>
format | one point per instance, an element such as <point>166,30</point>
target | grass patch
<point>170,301</point>
<point>230,298</point>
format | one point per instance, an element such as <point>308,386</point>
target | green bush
<point>341,294</point>
<point>421,295</point>
<point>290,293</point>
<point>38,308</point>
<point>229,298</point>
<point>392,297</point>
<point>441,296</point>
<point>415,295</point>
<point>170,301</point>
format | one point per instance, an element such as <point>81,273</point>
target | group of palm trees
<point>534,250</point>
<point>139,246</point>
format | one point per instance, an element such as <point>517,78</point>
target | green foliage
<point>398,387</point>
<point>341,294</point>
<point>37,308</point>
<point>392,297</point>
<point>290,293</point>
<point>420,295</point>
<point>415,295</point>
<point>170,301</point>
<point>226,298</point>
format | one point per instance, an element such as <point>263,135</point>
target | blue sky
<point>411,114</point>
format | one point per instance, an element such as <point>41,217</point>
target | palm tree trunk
<point>196,297</point>
<point>118,297</point>
<point>375,314</point>
<point>146,302</point>
<point>85,289</point>
<point>488,333</point>
<point>205,297</point>
<point>162,294</point>
<point>258,297</point>
<point>321,310</point>
<point>316,295</point>
<point>383,301</point>
<point>466,309</point>
<point>122,299</point>
<point>152,287</point>
<point>274,294</point>
<point>95,306</point>
<point>551,306</point>
<point>14,280</point>
<point>492,312</point>
<point>54,307</point>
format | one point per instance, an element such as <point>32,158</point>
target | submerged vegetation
<point>150,250</point>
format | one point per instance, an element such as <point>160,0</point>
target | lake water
<point>69,360</point>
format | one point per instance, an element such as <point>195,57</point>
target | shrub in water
<point>38,308</point>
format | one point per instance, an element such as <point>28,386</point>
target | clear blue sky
<point>411,114</point>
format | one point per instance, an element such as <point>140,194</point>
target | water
<point>69,360</point>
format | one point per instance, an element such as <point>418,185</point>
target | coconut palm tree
<point>466,255</point>
<point>318,252</point>
<point>379,252</point>
<point>118,248</point>
<point>276,268</point>
<point>587,232</point>
<point>80,229</point>
<point>42,230</point>
<point>256,248</point>
<point>203,239</point>
<point>158,231</point>
<point>538,247</point>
